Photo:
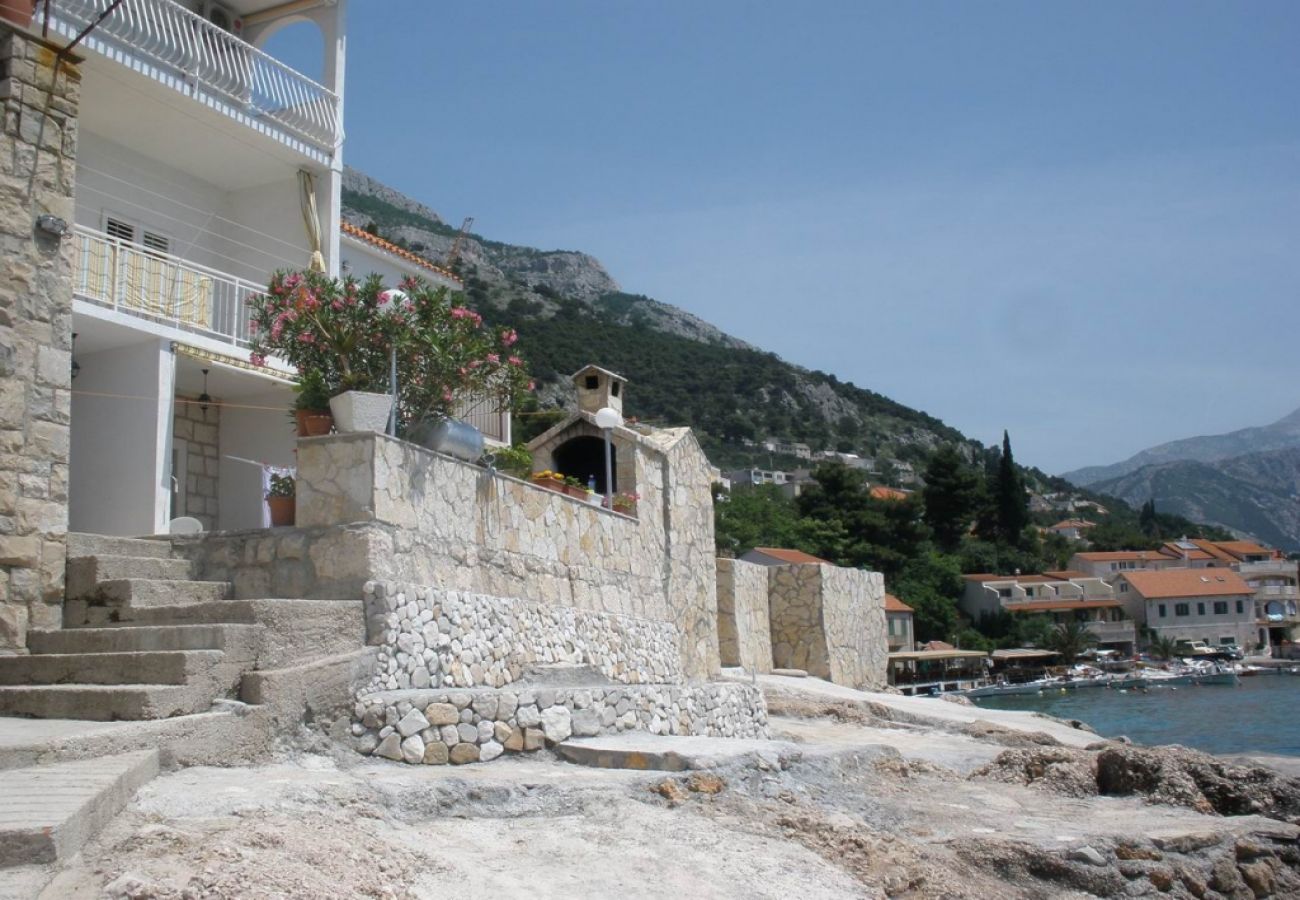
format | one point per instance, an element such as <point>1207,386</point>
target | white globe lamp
<point>608,419</point>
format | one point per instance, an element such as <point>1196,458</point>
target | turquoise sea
<point>1261,715</point>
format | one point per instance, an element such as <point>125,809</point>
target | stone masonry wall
<point>37,165</point>
<point>429,636</point>
<point>418,517</point>
<point>744,629</point>
<point>829,621</point>
<point>435,727</point>
<point>201,430</point>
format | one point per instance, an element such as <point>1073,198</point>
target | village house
<point>1071,529</point>
<point>1058,596</point>
<point>785,447</point>
<point>898,621</point>
<point>1211,605</point>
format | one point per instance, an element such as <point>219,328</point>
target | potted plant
<point>282,500</point>
<point>516,461</point>
<point>311,405</point>
<point>552,481</point>
<point>352,332</point>
<point>625,503</point>
<point>575,488</point>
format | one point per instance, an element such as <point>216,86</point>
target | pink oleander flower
<point>257,359</point>
<point>532,385</point>
<point>515,361</point>
<point>509,337</point>
<point>493,358</point>
<point>446,395</point>
<point>460,312</point>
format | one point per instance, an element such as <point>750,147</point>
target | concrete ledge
<point>641,751</point>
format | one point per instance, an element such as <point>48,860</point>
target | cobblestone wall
<point>37,164</point>
<point>429,636</point>
<point>744,629</point>
<point>829,621</point>
<point>464,726</point>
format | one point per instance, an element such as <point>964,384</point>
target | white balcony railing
<point>207,60</point>
<point>129,278</point>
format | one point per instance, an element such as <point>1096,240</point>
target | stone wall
<point>429,636</point>
<point>744,629</point>
<point>37,164</point>
<point>200,429</point>
<point>829,621</point>
<point>409,515</point>
<point>462,726</point>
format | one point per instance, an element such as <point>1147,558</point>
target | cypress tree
<point>1012,502</point>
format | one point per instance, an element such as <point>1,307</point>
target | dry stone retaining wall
<point>462,726</point>
<point>433,637</point>
<point>829,621</point>
<point>744,630</point>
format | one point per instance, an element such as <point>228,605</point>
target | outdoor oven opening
<point>583,458</point>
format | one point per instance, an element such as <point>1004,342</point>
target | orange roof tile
<point>893,604</point>
<point>1072,523</point>
<point>1241,549</point>
<point>1067,574</point>
<point>388,246</point>
<point>1123,556</point>
<point>791,556</point>
<point>1187,583</point>
<point>880,492</point>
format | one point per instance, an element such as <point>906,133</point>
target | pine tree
<point>1012,501</point>
<point>1147,519</point>
<point>951,497</point>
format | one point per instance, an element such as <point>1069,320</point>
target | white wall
<point>248,233</point>
<point>364,260</point>
<point>264,435</point>
<point>121,445</point>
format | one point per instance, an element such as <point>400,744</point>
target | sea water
<point>1260,715</point>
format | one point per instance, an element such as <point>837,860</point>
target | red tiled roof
<point>1067,574</point>
<point>791,556</point>
<point>880,492</point>
<point>1072,523</point>
<point>893,604</point>
<point>1187,583</point>
<point>1123,556</point>
<point>389,247</point>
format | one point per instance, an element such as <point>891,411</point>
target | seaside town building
<point>1211,605</point>
<point>898,621</point>
<point>1059,596</point>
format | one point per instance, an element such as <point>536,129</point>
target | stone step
<point>105,702</point>
<point>123,599</point>
<point>150,667</point>
<point>640,751</point>
<point>86,573</point>
<point>48,812</point>
<point>82,544</point>
<point>145,638</point>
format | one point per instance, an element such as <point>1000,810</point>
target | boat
<point>1006,690</point>
<point>1224,677</point>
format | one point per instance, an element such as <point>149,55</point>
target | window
<point>1123,587</point>
<point>1162,610</point>
<point>1004,592</point>
<point>1239,607</point>
<point>1220,607</point>
<point>1200,609</point>
<point>125,230</point>
<point>1180,609</point>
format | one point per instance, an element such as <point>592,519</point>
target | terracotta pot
<point>19,12</point>
<point>551,484</point>
<point>283,510</point>
<point>318,423</point>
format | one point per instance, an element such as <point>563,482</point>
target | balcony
<point>161,288</point>
<point>188,54</point>
<point>1113,632</point>
<point>1285,568</point>
<point>1276,592</point>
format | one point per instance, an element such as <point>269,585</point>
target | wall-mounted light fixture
<point>52,225</point>
<point>76,366</point>
<point>205,399</point>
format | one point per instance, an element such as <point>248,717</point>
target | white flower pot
<point>361,411</point>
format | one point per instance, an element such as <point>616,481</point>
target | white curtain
<point>310,219</point>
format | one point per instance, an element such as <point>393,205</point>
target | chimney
<point>599,388</point>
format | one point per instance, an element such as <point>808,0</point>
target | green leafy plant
<point>514,460</point>
<point>311,392</point>
<point>342,332</point>
<point>281,486</point>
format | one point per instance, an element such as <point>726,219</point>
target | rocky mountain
<point>569,311</point>
<point>1255,494</point>
<point>1285,432</point>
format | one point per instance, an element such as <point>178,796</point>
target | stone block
<point>436,754</point>
<point>534,739</point>
<point>464,753</point>
<point>442,714</point>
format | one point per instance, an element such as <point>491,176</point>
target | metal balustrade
<point>126,277</point>
<point>208,60</point>
<point>484,412</point>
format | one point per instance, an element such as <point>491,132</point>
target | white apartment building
<point>1211,605</point>
<point>1061,596</point>
<point>204,164</point>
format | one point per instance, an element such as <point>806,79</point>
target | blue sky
<point>1079,222</point>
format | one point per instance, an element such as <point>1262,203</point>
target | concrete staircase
<point>141,639</point>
